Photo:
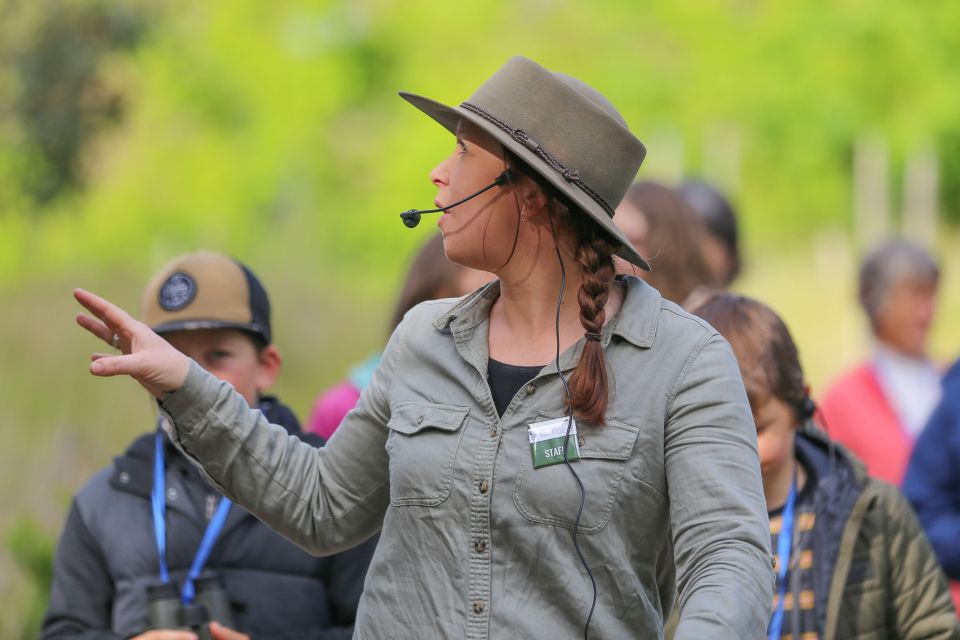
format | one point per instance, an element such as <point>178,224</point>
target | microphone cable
<point>566,440</point>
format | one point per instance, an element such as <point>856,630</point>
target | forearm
<point>290,485</point>
<point>728,597</point>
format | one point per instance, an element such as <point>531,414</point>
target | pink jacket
<point>330,408</point>
<point>335,403</point>
<point>857,414</point>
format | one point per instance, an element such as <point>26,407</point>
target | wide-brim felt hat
<point>562,129</point>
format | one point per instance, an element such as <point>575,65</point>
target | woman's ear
<point>533,201</point>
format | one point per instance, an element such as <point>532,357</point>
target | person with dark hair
<point>852,561</point>
<point>147,533</point>
<point>430,277</point>
<point>880,407</point>
<point>560,452</point>
<point>662,226</point>
<point>721,245</point>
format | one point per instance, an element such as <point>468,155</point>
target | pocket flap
<point>410,418</point>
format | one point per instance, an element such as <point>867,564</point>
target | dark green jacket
<point>875,574</point>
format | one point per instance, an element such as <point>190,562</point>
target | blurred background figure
<point>932,480</point>
<point>721,242</point>
<point>431,276</point>
<point>879,408</point>
<point>834,530</point>
<point>664,228</point>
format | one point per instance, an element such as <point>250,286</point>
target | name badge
<point>547,442</point>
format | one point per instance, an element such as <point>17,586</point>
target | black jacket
<point>107,556</point>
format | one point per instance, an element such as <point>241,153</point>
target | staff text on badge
<point>547,442</point>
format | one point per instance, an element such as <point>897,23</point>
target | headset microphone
<point>411,218</point>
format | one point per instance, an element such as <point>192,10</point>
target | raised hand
<point>147,358</point>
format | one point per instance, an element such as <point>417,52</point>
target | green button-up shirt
<point>475,542</point>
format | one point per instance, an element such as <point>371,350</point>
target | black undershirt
<point>506,379</point>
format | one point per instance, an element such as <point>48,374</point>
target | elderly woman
<point>879,408</point>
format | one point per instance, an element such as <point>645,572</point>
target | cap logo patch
<point>178,291</point>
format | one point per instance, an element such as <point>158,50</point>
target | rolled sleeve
<point>717,508</point>
<point>325,500</point>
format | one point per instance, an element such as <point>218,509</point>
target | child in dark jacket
<point>851,559</point>
<point>150,528</point>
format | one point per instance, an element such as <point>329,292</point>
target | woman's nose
<point>439,174</point>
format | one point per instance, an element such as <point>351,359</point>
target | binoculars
<point>165,609</point>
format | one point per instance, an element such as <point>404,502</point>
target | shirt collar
<point>636,322</point>
<point>638,318</point>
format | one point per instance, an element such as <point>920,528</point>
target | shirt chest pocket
<point>550,495</point>
<point>423,443</point>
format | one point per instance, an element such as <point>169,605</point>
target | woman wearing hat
<point>453,448</point>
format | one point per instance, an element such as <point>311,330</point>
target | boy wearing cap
<point>131,528</point>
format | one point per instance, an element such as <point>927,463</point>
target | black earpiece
<point>806,408</point>
<point>411,218</point>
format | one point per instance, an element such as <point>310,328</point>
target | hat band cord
<point>570,175</point>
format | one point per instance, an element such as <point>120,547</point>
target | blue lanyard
<point>784,542</point>
<point>158,502</point>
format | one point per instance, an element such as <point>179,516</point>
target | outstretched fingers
<point>106,311</point>
<point>96,327</point>
<point>113,365</point>
<point>145,356</point>
<point>113,318</point>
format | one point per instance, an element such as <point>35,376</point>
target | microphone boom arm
<point>411,218</point>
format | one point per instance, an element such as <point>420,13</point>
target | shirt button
<point>172,493</point>
<point>480,546</point>
<point>484,486</point>
<point>478,607</point>
<point>493,432</point>
<point>581,440</point>
<point>420,420</point>
<point>124,477</point>
<point>531,389</point>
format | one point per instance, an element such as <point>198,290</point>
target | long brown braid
<point>589,383</point>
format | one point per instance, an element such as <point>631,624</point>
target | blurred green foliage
<point>54,56</point>
<point>239,118</point>
<point>134,131</point>
<point>31,546</point>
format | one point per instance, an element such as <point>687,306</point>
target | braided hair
<point>589,383</point>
